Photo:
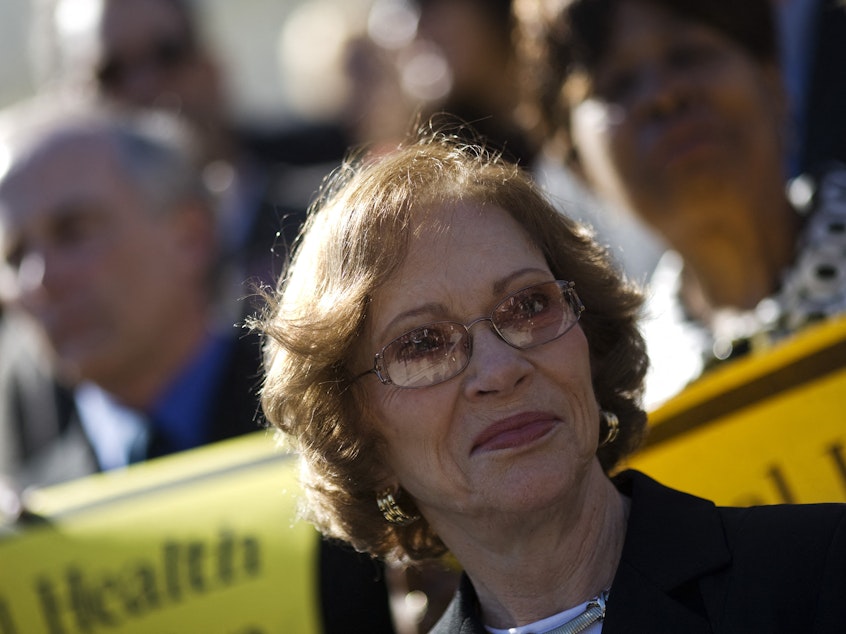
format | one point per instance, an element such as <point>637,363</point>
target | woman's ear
<point>385,481</point>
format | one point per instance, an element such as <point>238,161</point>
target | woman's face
<point>676,112</point>
<point>517,428</point>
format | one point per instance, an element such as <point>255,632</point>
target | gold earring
<point>613,424</point>
<point>391,510</point>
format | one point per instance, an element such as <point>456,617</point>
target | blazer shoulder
<point>786,556</point>
<point>801,539</point>
<point>806,523</point>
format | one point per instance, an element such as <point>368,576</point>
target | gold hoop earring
<point>613,424</point>
<point>391,510</point>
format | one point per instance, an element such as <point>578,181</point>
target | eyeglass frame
<point>568,289</point>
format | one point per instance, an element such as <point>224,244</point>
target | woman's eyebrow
<point>430,309</point>
<point>438,308</point>
<point>500,286</point>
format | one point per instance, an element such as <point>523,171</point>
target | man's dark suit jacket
<point>39,424</point>
<point>38,417</point>
<point>689,567</point>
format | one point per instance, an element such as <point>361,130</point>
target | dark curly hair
<point>559,40</point>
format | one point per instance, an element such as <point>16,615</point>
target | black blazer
<point>689,567</point>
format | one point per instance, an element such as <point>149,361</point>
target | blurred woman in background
<point>676,111</point>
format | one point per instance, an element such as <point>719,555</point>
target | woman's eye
<point>615,87</point>
<point>522,310</point>
<point>531,305</point>
<point>535,304</point>
<point>420,343</point>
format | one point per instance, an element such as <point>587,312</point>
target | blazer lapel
<point>636,603</point>
<point>673,541</point>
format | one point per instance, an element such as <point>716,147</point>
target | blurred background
<point>250,37</point>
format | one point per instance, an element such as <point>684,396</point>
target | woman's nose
<point>495,366</point>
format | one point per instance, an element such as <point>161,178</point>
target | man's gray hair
<point>155,150</point>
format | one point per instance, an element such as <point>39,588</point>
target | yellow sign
<point>765,429</point>
<point>208,541</point>
<point>205,541</point>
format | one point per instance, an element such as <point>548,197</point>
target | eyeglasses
<point>164,54</point>
<point>436,352</point>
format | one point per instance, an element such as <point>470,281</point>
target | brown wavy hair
<point>355,238</point>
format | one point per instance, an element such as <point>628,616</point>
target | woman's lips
<point>514,431</point>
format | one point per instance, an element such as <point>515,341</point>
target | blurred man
<point>108,248</point>
<point>153,54</point>
<point>112,350</point>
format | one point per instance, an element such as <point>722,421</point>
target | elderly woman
<point>460,368</point>
<point>675,110</point>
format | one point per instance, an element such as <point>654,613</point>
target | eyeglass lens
<point>439,351</point>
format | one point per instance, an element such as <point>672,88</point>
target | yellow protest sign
<point>764,429</point>
<point>208,540</point>
<point>205,541</point>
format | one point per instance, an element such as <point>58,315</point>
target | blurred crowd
<point>140,216</point>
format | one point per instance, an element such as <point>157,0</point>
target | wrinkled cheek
<point>386,424</point>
